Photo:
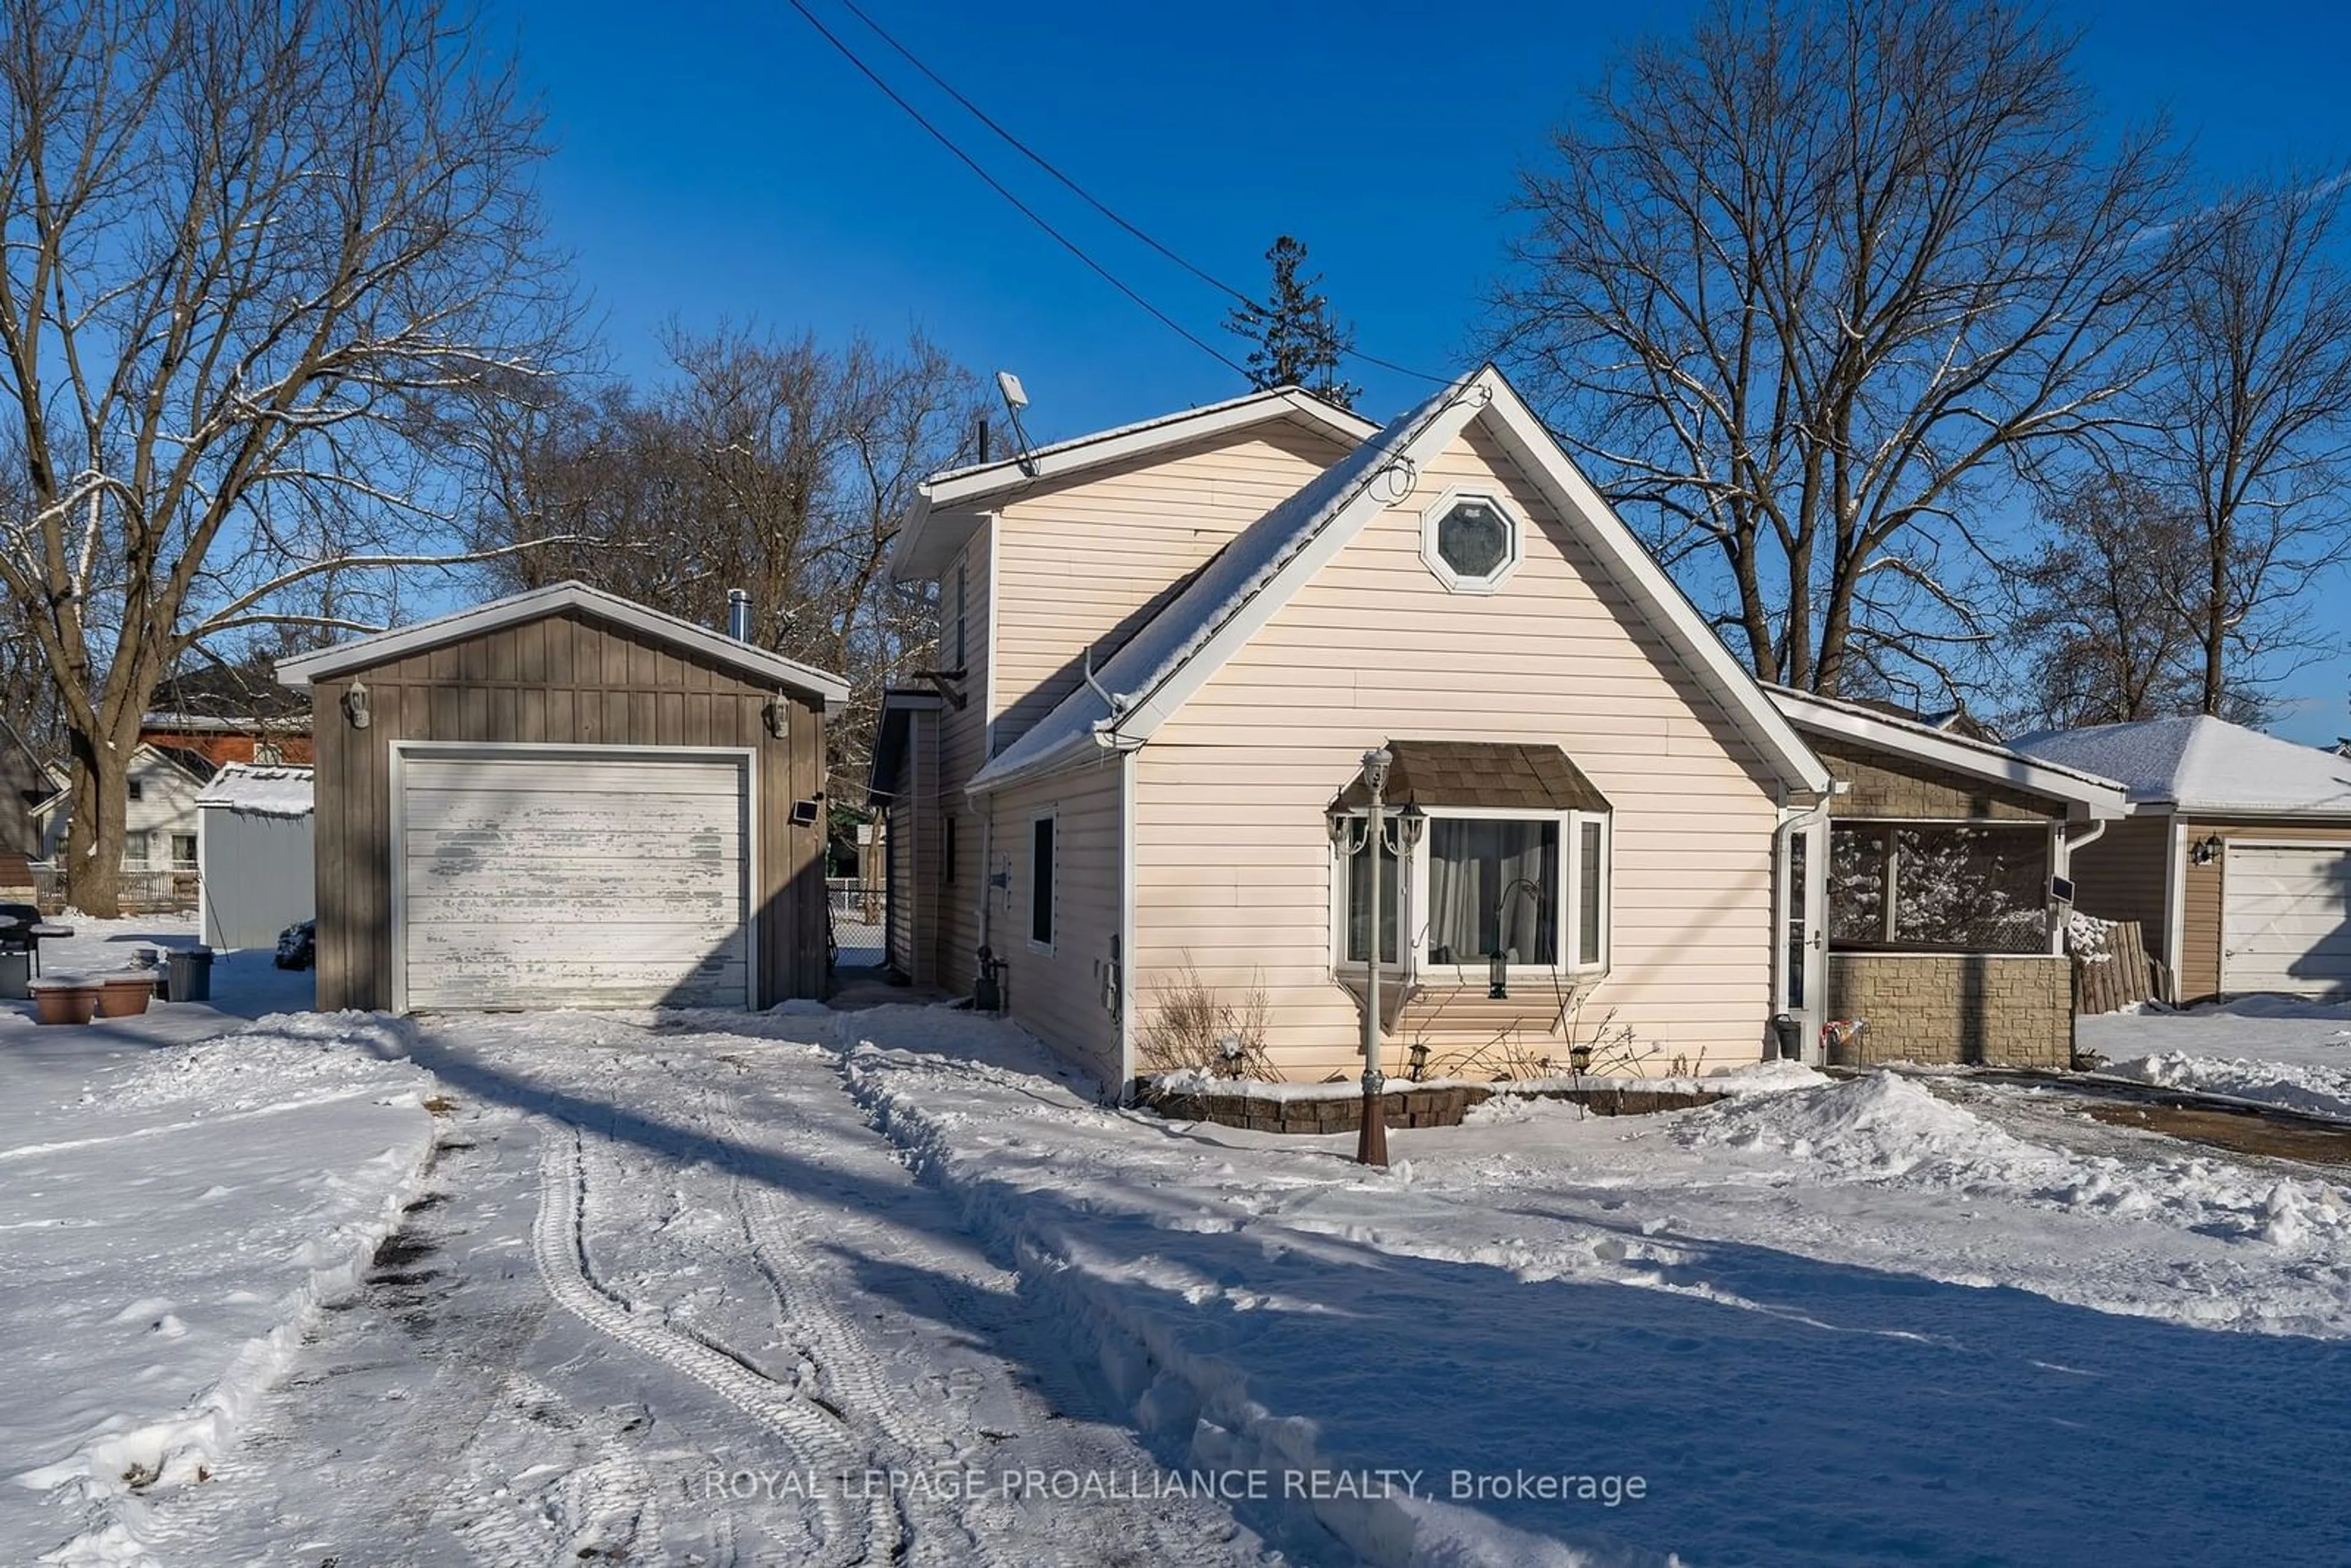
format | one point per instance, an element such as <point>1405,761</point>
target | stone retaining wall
<point>1412,1105</point>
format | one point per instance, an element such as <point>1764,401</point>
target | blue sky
<point>721,161</point>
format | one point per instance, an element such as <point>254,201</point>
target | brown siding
<point>2121,877</point>
<point>1887,786</point>
<point>566,680</point>
<point>2204,886</point>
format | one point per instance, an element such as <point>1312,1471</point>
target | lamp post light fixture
<point>1371,1137</point>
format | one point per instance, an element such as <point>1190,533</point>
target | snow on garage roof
<point>2203,764</point>
<point>260,791</point>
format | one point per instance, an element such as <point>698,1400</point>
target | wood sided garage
<point>563,799</point>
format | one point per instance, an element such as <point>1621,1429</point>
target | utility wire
<point>1026,210</point>
<point>1046,164</point>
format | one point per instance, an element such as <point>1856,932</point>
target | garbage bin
<point>1788,1031</point>
<point>16,976</point>
<point>189,976</point>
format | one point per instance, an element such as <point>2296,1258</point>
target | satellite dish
<point>1015,398</point>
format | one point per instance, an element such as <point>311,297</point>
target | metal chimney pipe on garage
<point>738,614</point>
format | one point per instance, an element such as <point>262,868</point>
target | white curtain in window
<point>1492,884</point>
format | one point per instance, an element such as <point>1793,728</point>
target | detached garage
<point>564,799</point>
<point>2235,859</point>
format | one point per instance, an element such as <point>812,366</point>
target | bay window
<point>1532,887</point>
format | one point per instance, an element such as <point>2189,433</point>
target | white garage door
<point>2286,920</point>
<point>563,880</point>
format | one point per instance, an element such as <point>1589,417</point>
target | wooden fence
<point>2111,968</point>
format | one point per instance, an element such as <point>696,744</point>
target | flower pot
<point>124,996</point>
<point>64,1001</point>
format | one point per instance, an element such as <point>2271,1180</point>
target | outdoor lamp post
<point>1371,1137</point>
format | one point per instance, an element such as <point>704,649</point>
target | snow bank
<point>1883,1125</point>
<point>2317,1090</point>
<point>280,1055</point>
<point>170,1238</point>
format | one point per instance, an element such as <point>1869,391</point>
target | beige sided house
<point>2235,860</point>
<point>1164,650</point>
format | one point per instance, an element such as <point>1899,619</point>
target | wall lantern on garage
<point>778,714</point>
<point>355,705</point>
<point>2206,850</point>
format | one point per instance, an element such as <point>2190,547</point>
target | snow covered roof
<point>2199,763</point>
<point>1872,724</point>
<point>363,652</point>
<point>1239,589</point>
<point>260,791</point>
<point>924,550</point>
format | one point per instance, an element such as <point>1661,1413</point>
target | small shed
<point>564,799</point>
<point>254,854</point>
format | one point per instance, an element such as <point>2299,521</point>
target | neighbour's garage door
<point>2286,920</point>
<point>556,879</point>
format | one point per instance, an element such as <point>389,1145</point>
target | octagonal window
<point>1470,542</point>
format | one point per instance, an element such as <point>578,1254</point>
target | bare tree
<point>1810,284</point>
<point>2098,617</point>
<point>2251,419</point>
<point>248,243</point>
<point>780,467</point>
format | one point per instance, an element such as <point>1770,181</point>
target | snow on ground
<point>170,1220</point>
<point>2270,1050</point>
<point>1847,1323</point>
<point>816,1287</point>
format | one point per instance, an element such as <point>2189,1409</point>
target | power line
<point>1026,210</point>
<point>1017,145</point>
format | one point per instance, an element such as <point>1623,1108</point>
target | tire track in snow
<point>557,1248</point>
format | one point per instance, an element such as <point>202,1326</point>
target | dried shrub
<point>1193,1027</point>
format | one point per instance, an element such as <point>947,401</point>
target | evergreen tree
<point>1292,340</point>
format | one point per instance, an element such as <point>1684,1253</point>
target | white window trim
<point>171,849</point>
<point>1412,952</point>
<point>1050,814</point>
<point>144,839</point>
<point>1454,582</point>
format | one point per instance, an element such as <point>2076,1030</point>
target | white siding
<point>1085,565</point>
<point>962,750</point>
<point>1233,861</point>
<point>1064,998</point>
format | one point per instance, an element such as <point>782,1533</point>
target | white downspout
<point>1126,956</point>
<point>2060,863</point>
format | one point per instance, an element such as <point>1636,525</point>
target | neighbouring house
<point>1938,927</point>
<point>563,799</point>
<point>268,739</point>
<point>255,854</point>
<point>160,784</point>
<point>2236,857</point>
<point>1163,650</point>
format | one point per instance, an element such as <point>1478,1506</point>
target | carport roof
<point>758,663</point>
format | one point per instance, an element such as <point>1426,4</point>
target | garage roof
<point>2198,763</point>
<point>758,663</point>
